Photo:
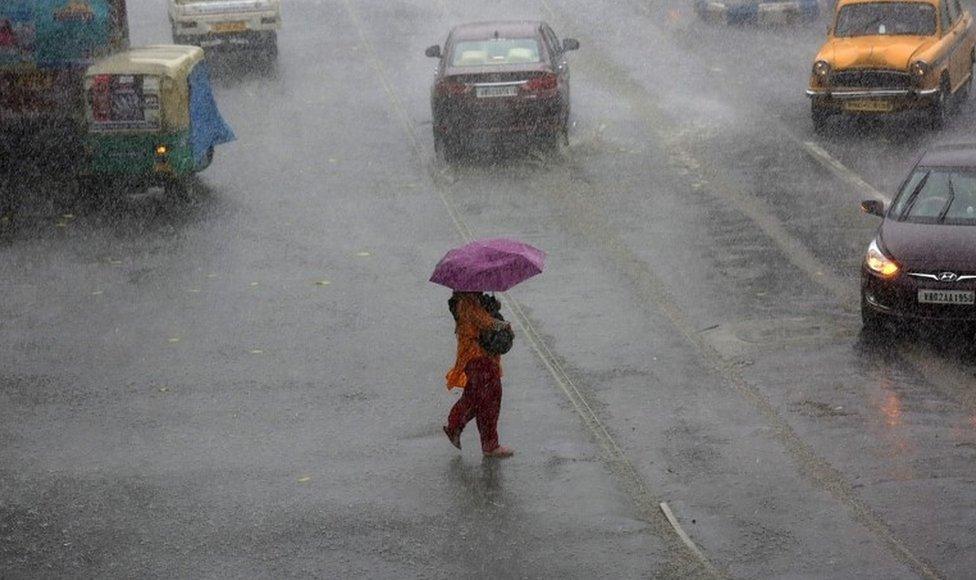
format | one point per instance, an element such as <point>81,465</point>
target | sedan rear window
<point>938,196</point>
<point>886,19</point>
<point>496,51</point>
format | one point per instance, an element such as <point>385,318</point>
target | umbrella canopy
<point>490,265</point>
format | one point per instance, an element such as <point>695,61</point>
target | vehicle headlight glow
<point>879,263</point>
<point>821,69</point>
<point>919,70</point>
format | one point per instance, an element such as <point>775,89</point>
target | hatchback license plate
<point>962,297</point>
<point>869,106</point>
<point>499,91</point>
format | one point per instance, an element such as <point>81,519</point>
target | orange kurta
<point>472,318</point>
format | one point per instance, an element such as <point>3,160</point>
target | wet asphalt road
<point>249,384</point>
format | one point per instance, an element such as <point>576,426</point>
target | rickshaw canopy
<point>161,60</point>
<point>159,92</point>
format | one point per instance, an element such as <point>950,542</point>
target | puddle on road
<point>742,339</point>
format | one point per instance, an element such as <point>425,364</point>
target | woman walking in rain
<point>492,265</point>
<point>477,371</point>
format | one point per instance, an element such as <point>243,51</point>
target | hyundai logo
<point>948,277</point>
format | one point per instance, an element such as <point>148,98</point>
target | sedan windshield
<point>886,19</point>
<point>938,196</point>
<point>496,51</point>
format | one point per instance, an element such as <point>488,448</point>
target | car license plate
<point>869,106</point>
<point>499,91</point>
<point>963,297</point>
<point>224,27</point>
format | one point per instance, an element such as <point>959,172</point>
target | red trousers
<point>482,400</point>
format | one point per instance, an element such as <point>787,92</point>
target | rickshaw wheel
<point>207,160</point>
<point>177,189</point>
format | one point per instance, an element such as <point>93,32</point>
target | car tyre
<point>446,148</point>
<point>873,322</point>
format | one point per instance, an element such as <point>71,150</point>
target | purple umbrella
<point>491,265</point>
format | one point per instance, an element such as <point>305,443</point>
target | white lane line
<point>618,460</point>
<point>842,171</point>
<point>679,530</point>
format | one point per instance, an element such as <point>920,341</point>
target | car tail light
<point>546,82</point>
<point>451,88</point>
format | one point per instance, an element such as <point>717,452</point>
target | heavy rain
<point>451,288</point>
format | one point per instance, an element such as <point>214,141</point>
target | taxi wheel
<point>966,89</point>
<point>939,112</point>
<point>819,117</point>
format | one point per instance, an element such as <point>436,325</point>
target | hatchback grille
<point>871,79</point>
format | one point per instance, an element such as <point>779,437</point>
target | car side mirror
<point>570,44</point>
<point>873,207</point>
<point>433,51</point>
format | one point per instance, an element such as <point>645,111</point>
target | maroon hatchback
<point>500,78</point>
<point>921,265</point>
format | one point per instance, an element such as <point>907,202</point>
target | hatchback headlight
<point>821,69</point>
<point>879,263</point>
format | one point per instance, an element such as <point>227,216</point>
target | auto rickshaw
<point>152,118</point>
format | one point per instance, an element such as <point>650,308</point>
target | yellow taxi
<point>885,56</point>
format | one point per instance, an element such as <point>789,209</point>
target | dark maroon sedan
<point>922,263</point>
<point>500,78</point>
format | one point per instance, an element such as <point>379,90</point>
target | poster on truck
<point>17,33</point>
<point>54,33</point>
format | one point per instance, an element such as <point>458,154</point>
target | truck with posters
<point>45,47</point>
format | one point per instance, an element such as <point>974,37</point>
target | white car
<point>233,23</point>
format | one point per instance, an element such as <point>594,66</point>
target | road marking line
<point>840,170</point>
<point>828,477</point>
<point>640,495</point>
<point>679,530</point>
